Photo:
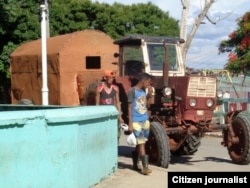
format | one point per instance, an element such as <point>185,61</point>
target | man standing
<point>139,119</point>
<point>108,94</point>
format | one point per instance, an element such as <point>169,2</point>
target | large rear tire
<point>157,146</point>
<point>240,152</point>
<point>190,146</point>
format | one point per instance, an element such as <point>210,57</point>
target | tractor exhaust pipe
<point>166,66</point>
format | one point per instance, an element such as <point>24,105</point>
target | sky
<point>203,51</point>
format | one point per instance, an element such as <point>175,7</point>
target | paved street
<point>125,177</point>
<point>211,156</point>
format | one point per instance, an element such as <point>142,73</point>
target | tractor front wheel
<point>157,146</point>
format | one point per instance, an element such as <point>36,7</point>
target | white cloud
<point>203,52</point>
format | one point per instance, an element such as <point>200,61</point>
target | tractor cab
<point>138,53</point>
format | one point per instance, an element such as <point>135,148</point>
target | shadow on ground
<point>125,151</point>
<point>189,160</point>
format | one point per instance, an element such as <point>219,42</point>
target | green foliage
<point>5,59</point>
<point>238,46</point>
<point>20,22</point>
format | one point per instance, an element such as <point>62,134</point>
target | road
<point>211,156</point>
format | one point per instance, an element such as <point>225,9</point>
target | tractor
<point>181,105</point>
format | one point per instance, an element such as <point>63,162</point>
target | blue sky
<point>203,52</point>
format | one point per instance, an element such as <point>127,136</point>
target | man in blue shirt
<point>139,119</point>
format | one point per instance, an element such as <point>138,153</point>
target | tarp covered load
<point>73,61</point>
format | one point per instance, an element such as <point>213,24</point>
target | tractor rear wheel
<point>157,146</point>
<point>190,146</point>
<point>240,152</point>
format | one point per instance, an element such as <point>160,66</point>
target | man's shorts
<point>141,131</point>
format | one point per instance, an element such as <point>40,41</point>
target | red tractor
<point>182,106</point>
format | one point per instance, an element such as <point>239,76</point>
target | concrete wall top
<point>54,114</point>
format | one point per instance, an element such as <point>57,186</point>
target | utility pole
<point>184,16</point>
<point>43,11</point>
<point>46,3</point>
<point>183,28</point>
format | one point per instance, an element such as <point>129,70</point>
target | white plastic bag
<point>124,127</point>
<point>131,140</point>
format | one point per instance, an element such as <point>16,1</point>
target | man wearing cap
<point>108,94</point>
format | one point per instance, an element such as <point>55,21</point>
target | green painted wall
<point>60,147</point>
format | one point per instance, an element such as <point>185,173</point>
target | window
<point>93,62</point>
<point>157,57</point>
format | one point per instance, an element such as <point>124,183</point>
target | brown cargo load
<point>73,62</point>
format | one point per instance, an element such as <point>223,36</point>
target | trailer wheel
<point>190,146</point>
<point>157,146</point>
<point>240,151</point>
<point>89,97</point>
